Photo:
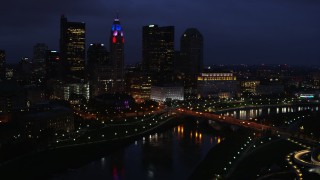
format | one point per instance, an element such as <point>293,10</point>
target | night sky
<point>235,31</point>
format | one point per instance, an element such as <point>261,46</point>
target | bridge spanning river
<point>227,119</point>
<point>244,123</point>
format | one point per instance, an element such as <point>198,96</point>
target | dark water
<point>256,112</point>
<point>173,154</point>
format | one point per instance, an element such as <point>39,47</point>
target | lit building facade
<point>72,47</point>
<point>117,55</point>
<point>167,93</point>
<point>72,92</point>
<point>138,84</point>
<point>9,73</point>
<point>145,87</point>
<point>249,86</point>
<point>140,88</point>
<point>217,85</point>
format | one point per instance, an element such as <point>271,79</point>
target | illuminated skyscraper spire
<point>117,54</point>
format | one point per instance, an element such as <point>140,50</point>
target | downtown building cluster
<point>64,92</point>
<point>74,70</point>
<point>80,75</point>
<point>31,91</point>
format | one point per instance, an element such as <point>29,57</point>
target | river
<point>172,154</point>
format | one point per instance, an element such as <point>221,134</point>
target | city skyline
<point>234,32</point>
<point>175,89</point>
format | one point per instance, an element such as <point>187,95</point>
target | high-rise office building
<point>191,52</point>
<point>99,69</point>
<point>2,65</point>
<point>97,54</point>
<point>72,47</point>
<point>138,84</point>
<point>38,62</point>
<point>117,55</point>
<point>189,61</point>
<point>53,65</point>
<point>24,72</point>
<point>158,50</point>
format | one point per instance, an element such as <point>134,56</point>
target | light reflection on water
<point>256,112</point>
<point>169,155</point>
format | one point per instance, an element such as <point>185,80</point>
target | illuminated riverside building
<point>222,85</point>
<point>167,93</point>
<point>217,77</point>
<point>158,51</point>
<point>117,55</point>
<point>72,47</point>
<point>2,65</point>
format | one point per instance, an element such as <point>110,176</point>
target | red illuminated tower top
<point>117,32</point>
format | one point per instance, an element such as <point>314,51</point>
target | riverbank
<point>212,167</point>
<point>264,158</point>
<point>39,165</point>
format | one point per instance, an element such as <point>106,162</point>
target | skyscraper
<point>99,69</point>
<point>72,47</point>
<point>38,62</point>
<point>2,65</point>
<point>53,65</point>
<point>97,55</point>
<point>191,52</point>
<point>117,55</point>
<point>158,49</point>
<point>189,61</point>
